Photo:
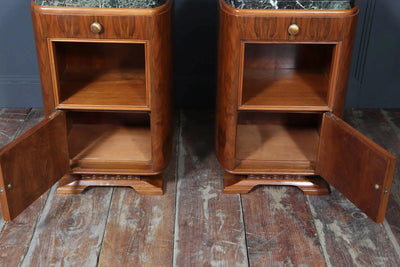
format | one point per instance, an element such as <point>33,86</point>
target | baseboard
<point>20,91</point>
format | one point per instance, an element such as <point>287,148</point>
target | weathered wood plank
<point>384,128</point>
<point>10,122</point>
<point>279,228</point>
<point>348,237</point>
<point>16,235</point>
<point>209,229</point>
<point>70,229</point>
<point>140,228</point>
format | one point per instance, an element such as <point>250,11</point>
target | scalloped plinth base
<point>243,184</point>
<point>144,185</point>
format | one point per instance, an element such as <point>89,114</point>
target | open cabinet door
<point>32,163</point>
<point>356,166</point>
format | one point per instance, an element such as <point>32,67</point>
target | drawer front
<point>278,28</point>
<point>96,27</point>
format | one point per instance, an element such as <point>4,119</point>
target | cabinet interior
<point>286,76</point>
<point>105,140</point>
<point>277,141</point>
<point>100,75</point>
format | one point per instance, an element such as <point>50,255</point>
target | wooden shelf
<point>104,90</point>
<point>276,147</point>
<point>284,89</point>
<point>109,146</point>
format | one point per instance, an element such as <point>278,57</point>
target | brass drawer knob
<point>96,27</point>
<point>293,29</point>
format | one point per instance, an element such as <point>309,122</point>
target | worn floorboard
<point>208,228</point>
<point>15,236</point>
<point>347,236</point>
<point>384,128</point>
<point>70,229</point>
<point>107,227</point>
<point>140,229</point>
<point>279,228</point>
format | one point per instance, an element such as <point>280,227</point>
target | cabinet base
<point>144,185</point>
<point>242,184</point>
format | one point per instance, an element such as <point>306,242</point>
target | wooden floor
<point>193,223</point>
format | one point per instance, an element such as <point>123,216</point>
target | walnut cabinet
<point>281,92</point>
<point>106,82</point>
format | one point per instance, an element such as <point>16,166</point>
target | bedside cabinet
<point>105,69</point>
<point>283,71</point>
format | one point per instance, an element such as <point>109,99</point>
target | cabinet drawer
<point>277,28</point>
<point>104,27</point>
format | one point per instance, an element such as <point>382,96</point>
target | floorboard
<point>140,229</point>
<point>70,230</point>
<point>348,237</point>
<point>384,128</point>
<point>208,225</point>
<point>280,228</point>
<point>15,236</point>
<point>194,223</point>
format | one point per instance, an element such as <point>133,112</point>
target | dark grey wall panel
<point>19,78</point>
<point>195,52</point>
<point>374,79</point>
<point>375,75</point>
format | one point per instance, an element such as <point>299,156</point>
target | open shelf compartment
<point>277,142</point>
<point>100,75</point>
<point>293,76</point>
<point>113,141</point>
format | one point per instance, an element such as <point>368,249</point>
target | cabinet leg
<point>242,184</point>
<point>144,185</point>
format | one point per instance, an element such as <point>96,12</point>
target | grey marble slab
<point>291,4</point>
<point>102,3</point>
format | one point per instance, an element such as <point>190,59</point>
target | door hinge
<point>386,191</point>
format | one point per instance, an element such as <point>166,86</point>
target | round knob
<point>96,27</point>
<point>293,29</point>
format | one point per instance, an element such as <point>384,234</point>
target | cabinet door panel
<point>356,166</point>
<point>32,163</point>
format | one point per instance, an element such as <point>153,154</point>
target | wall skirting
<point>20,91</point>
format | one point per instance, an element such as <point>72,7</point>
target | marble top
<point>102,3</point>
<point>291,4</point>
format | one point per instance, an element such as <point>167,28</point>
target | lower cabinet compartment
<point>101,140</point>
<point>277,142</point>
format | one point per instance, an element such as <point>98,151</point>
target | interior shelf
<point>101,140</point>
<point>111,89</point>
<point>286,77</point>
<point>284,89</point>
<point>100,76</point>
<point>277,142</point>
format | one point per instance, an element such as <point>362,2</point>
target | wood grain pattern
<point>285,89</point>
<point>107,143</point>
<point>279,143</point>
<point>133,73</point>
<point>243,184</point>
<point>382,126</point>
<point>348,237</point>
<point>315,25</point>
<point>363,166</point>
<point>280,229</point>
<point>334,29</point>
<point>140,229</point>
<point>70,230</point>
<point>43,152</point>
<point>208,229</point>
<point>106,90</point>
<point>15,236</point>
<point>145,185</point>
